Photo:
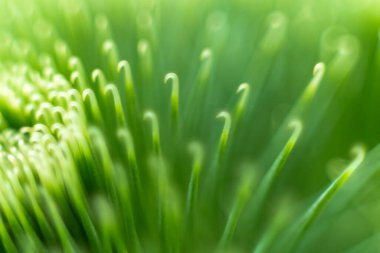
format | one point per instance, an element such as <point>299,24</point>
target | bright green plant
<point>189,126</point>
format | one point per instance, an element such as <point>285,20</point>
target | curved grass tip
<point>317,207</point>
<point>124,67</point>
<point>123,64</point>
<point>74,76</point>
<point>173,77</point>
<point>319,69</point>
<point>175,86</point>
<point>108,46</point>
<point>318,74</point>
<point>152,117</point>
<point>91,103</point>
<point>297,127</point>
<point>143,47</point>
<point>225,132</point>
<point>174,95</point>
<point>109,50</point>
<point>77,80</point>
<point>358,153</point>
<point>96,74</point>
<point>75,64</point>
<point>98,78</point>
<point>227,121</point>
<point>271,176</point>
<point>113,96</point>
<point>244,89</point>
<point>197,151</point>
<point>206,54</point>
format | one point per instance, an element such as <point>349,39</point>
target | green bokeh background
<point>272,45</point>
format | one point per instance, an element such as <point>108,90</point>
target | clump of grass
<point>98,154</point>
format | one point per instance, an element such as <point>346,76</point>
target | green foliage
<point>189,126</point>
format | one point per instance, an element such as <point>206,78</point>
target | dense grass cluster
<point>189,126</point>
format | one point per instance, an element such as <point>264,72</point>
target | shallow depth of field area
<point>190,126</point>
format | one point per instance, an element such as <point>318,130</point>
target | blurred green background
<point>272,45</point>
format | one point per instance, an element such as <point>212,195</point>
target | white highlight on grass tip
<point>152,117</point>
<point>126,68</point>
<point>225,132</point>
<point>143,46</point>
<point>112,93</point>
<point>175,84</point>
<point>318,73</point>
<point>206,54</point>
<point>74,76</point>
<point>74,95</point>
<point>123,65</point>
<point>174,95</point>
<point>319,68</point>
<point>73,62</point>
<point>297,126</point>
<point>244,89</point>
<point>86,93</point>
<point>95,74</point>
<point>173,77</point>
<point>320,203</point>
<point>108,45</point>
<point>149,115</point>
<point>227,119</point>
<point>358,153</point>
<point>272,175</point>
